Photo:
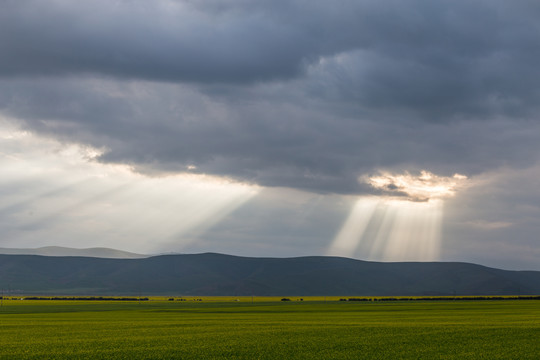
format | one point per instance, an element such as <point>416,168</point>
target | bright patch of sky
<point>54,193</point>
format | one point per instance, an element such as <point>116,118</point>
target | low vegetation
<point>247,328</point>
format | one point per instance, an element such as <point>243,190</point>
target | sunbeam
<point>415,231</point>
<point>402,224</point>
<point>347,240</point>
<point>69,199</point>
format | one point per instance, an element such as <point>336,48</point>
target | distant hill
<point>100,252</point>
<point>217,274</point>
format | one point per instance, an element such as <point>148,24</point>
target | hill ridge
<point>58,251</point>
<point>221,274</point>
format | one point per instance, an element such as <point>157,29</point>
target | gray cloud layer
<point>300,94</point>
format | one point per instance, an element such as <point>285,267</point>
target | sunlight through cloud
<point>73,200</point>
<point>424,187</point>
<point>404,223</point>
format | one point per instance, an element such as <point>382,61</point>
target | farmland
<point>230,328</point>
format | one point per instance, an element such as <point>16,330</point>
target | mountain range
<point>218,274</point>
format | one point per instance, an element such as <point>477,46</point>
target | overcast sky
<point>378,130</point>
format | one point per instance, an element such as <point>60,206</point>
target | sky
<point>377,130</point>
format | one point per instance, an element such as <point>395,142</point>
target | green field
<point>160,329</point>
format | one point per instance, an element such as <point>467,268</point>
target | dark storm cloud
<point>300,94</point>
<point>163,40</point>
<point>240,41</point>
<point>166,128</point>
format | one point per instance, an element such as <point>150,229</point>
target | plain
<point>221,328</point>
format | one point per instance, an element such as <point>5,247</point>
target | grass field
<point>212,329</point>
